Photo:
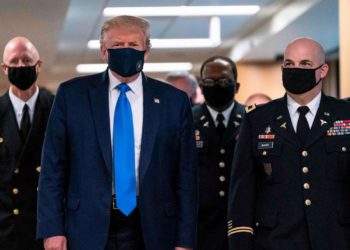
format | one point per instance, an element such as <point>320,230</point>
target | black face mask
<point>22,77</point>
<point>126,61</point>
<point>219,97</point>
<point>299,80</point>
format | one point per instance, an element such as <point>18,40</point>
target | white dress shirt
<point>18,105</point>
<point>226,113</point>
<point>135,97</point>
<point>310,116</point>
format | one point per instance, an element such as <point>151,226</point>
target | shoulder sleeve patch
<point>250,108</point>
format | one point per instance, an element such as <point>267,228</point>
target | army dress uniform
<point>284,195</point>
<point>214,159</point>
<point>19,172</point>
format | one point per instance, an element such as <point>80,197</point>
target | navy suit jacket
<point>75,186</point>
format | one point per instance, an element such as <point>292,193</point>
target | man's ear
<point>104,53</point>
<point>237,87</point>
<point>4,68</point>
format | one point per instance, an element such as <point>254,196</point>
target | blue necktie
<point>123,152</point>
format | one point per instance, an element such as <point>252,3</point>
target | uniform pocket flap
<point>340,145</point>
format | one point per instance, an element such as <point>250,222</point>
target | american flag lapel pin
<point>156,100</point>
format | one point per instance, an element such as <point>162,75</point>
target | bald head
<point>307,49</point>
<point>19,51</point>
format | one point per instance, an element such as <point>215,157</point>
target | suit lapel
<point>152,104</point>
<point>282,123</point>
<point>98,92</point>
<point>324,119</point>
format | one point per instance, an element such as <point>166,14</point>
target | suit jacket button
<point>304,153</point>
<point>222,151</point>
<point>222,193</point>
<point>16,171</point>
<point>343,149</point>
<point>306,185</point>
<point>38,169</point>
<point>1,140</point>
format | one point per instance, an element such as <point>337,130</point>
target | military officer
<point>217,124</point>
<point>291,170</point>
<point>24,111</point>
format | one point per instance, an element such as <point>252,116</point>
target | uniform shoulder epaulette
<point>250,108</point>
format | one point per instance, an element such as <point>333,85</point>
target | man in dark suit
<point>291,170</point>
<point>89,197</point>
<point>24,111</point>
<point>217,123</point>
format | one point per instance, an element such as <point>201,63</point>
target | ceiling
<point>61,29</point>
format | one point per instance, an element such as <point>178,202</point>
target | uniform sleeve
<point>52,179</point>
<point>241,204</point>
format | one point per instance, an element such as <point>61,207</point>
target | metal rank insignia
<point>340,127</point>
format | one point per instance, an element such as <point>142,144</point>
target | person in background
<point>185,82</point>
<point>257,99</point>
<point>291,170</point>
<point>217,123</point>
<point>24,110</point>
<point>119,162</point>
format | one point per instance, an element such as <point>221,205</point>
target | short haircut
<point>175,75</point>
<point>127,22</point>
<point>220,58</point>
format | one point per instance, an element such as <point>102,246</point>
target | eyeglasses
<point>223,82</point>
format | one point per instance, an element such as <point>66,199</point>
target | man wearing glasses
<point>217,124</point>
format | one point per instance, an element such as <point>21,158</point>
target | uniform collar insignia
<point>323,122</point>
<point>326,113</point>
<point>268,130</point>
<point>239,116</point>
<point>284,125</point>
<point>279,117</point>
<point>206,124</point>
<point>202,117</point>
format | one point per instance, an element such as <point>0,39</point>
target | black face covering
<point>126,61</point>
<point>299,80</point>
<point>22,77</point>
<point>219,97</point>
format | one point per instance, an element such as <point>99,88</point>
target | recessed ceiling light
<point>228,10</point>
<point>148,67</point>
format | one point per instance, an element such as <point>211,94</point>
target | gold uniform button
<point>264,153</point>
<point>304,153</point>
<point>1,140</point>
<point>222,178</point>
<point>308,202</point>
<point>343,149</point>
<point>306,186</point>
<point>222,151</point>
<point>15,191</point>
<point>16,171</point>
<point>38,169</point>
<point>222,193</point>
<point>305,170</point>
<point>15,211</point>
<point>222,164</point>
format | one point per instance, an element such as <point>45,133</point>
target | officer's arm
<point>242,192</point>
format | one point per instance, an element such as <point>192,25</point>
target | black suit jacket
<point>214,164</point>
<point>19,172</point>
<point>287,196</point>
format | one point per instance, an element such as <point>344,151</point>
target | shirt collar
<point>135,86</point>
<point>226,113</point>
<point>18,103</point>
<point>313,105</point>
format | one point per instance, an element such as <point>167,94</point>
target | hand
<point>55,243</point>
<point>182,248</point>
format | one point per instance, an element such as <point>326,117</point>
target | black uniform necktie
<point>221,126</point>
<point>303,128</point>
<point>25,122</point>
